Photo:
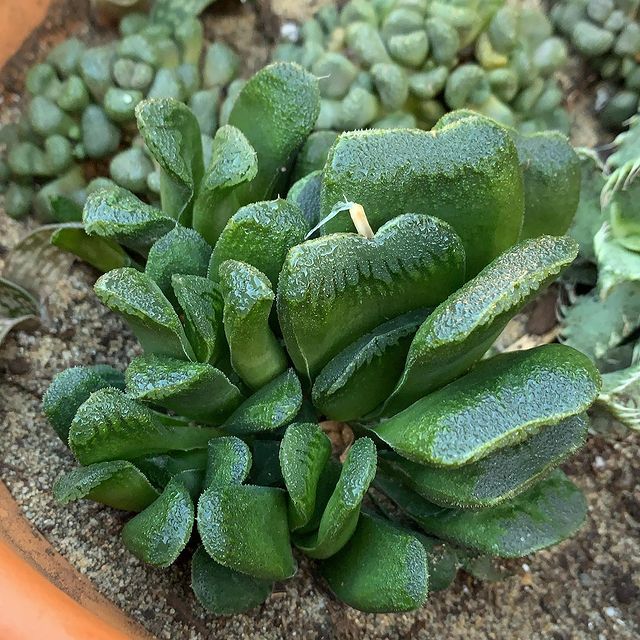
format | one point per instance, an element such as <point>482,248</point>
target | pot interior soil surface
<point>588,587</point>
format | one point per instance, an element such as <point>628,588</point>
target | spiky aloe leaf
<point>118,484</point>
<point>172,135</point>
<point>616,263</point>
<point>304,452</point>
<point>260,234</point>
<point>546,514</point>
<point>273,406</point>
<point>466,171</point>
<point>465,325</point>
<point>147,311</point>
<point>117,215</point>
<point>276,110</point>
<point>620,396</point>
<point>223,591</point>
<point>382,568</point>
<point>414,261</point>
<point>192,389</point>
<point>244,528</point>
<point>159,534</point>
<point>70,388</point>
<point>341,514</point>
<point>351,384</point>
<point>111,426</point>
<point>501,402</point>
<point>256,355</point>
<point>497,477</point>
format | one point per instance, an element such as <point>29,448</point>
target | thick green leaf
<point>503,401</point>
<point>233,163</point>
<point>201,302</point>
<point>159,534</point>
<point>116,214</point>
<point>265,470</point>
<point>273,406</point>
<point>334,289</point>
<point>111,426</point>
<point>498,477</point>
<point>260,234</point>
<point>443,562</point>
<point>304,453</point>
<point>381,569</point>
<point>314,152</point>
<point>465,325</point>
<point>70,388</point>
<point>341,514</point>
<point>350,386</point>
<point>256,355</point>
<point>147,311</point>
<point>546,514</point>
<point>181,251</point>
<point>466,173</point>
<point>305,193</point>
<point>117,484</point>
<point>228,462</point>
<point>276,110</point>
<point>161,468</point>
<point>244,528</point>
<point>192,389</point>
<point>102,253</point>
<point>222,591</point>
<point>172,135</point>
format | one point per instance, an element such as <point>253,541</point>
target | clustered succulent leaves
<point>81,110</point>
<point>387,63</point>
<point>603,321</point>
<point>262,317</point>
<point>607,34</point>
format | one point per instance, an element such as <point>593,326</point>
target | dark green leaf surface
<point>260,234</point>
<point>335,288</point>
<point>147,311</point>
<point>443,562</point>
<point>111,426</point>
<point>341,514</point>
<point>546,514</point>
<point>277,110</point>
<point>466,173</point>
<point>161,468</point>
<point>381,569</point>
<point>117,484</point>
<point>501,475</point>
<point>464,326</point>
<point>304,453</point>
<point>181,251</point>
<point>265,470</point>
<point>172,135</point>
<point>314,152</point>
<point>228,462</point>
<point>305,193</point>
<point>201,302</point>
<point>70,388</point>
<point>116,214</point>
<point>244,528</point>
<point>160,533</point>
<point>350,386</point>
<point>102,253</point>
<point>223,591</point>
<point>233,163</point>
<point>192,389</point>
<point>501,402</point>
<point>273,406</point>
<point>256,355</point>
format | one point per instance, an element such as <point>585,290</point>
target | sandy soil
<point>588,587</point>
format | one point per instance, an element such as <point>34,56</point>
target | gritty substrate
<point>588,587</point>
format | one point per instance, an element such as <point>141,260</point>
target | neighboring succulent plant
<point>607,34</point>
<point>407,62</point>
<point>604,322</point>
<point>254,328</point>
<point>82,107</point>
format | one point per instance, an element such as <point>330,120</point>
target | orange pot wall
<point>18,18</point>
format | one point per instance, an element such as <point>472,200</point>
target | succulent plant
<point>406,63</point>
<point>255,329</point>
<point>82,109</point>
<point>607,34</point>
